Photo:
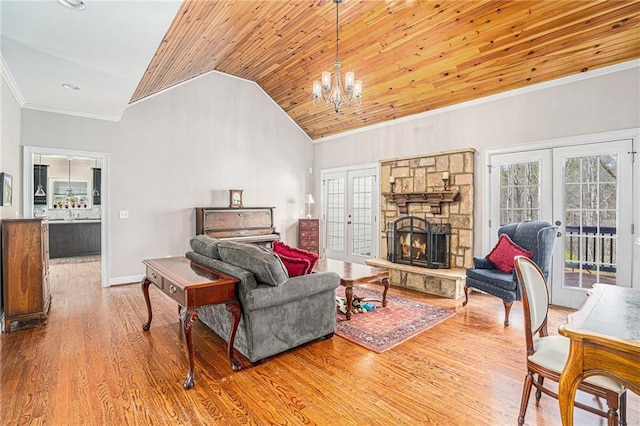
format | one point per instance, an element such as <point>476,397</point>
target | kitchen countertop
<point>60,221</point>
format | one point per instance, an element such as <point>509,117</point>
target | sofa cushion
<point>293,252</point>
<point>263,263</point>
<point>503,253</point>
<point>206,246</point>
<point>295,266</point>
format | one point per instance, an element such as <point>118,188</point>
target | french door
<point>586,190</point>
<point>350,214</point>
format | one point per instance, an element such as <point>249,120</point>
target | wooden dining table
<point>605,340</point>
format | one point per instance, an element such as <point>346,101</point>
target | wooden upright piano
<point>247,224</point>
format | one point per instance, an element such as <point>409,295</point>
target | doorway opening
<point>74,184</point>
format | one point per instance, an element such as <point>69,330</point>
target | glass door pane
<point>335,214</point>
<point>594,248</point>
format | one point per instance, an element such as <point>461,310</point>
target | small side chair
<point>547,355</point>
<point>537,237</point>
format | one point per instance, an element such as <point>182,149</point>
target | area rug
<point>383,328</point>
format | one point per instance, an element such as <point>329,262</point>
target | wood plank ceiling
<point>412,56</point>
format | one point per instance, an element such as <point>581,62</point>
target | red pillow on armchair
<point>281,248</point>
<point>503,253</point>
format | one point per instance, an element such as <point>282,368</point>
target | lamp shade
<point>310,199</point>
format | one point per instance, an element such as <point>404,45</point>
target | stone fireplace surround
<point>424,174</point>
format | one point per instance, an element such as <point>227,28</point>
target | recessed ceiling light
<point>73,4</point>
<point>70,86</point>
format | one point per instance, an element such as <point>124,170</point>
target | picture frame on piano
<point>235,198</point>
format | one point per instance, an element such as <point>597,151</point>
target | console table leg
<point>145,291</point>
<point>385,283</point>
<point>188,318</point>
<point>234,309</point>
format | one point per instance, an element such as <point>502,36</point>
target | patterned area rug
<point>383,328</point>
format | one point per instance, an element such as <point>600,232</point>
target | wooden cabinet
<point>309,235</point>
<point>25,270</point>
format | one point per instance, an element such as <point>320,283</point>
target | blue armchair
<point>536,236</point>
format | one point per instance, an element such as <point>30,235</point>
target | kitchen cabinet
<point>40,177</point>
<point>25,271</point>
<point>97,181</point>
<point>74,238</point>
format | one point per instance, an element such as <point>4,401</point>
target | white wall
<point>607,102</point>
<point>10,146</point>
<point>181,149</point>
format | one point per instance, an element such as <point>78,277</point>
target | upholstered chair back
<point>537,236</point>
<point>535,294</point>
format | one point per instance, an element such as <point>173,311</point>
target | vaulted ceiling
<point>412,56</point>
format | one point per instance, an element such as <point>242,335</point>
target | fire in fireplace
<point>414,241</point>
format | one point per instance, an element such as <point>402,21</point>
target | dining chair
<point>547,355</point>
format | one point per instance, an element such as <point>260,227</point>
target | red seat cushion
<point>294,265</point>
<point>503,253</point>
<point>292,252</point>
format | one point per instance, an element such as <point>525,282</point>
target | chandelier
<point>335,94</point>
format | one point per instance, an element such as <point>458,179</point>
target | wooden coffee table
<point>192,285</point>
<point>353,273</point>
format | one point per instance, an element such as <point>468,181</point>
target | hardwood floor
<point>92,364</point>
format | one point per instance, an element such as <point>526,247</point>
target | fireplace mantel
<point>434,199</point>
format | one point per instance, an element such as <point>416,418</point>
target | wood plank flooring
<point>92,365</point>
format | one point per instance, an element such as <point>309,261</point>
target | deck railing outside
<point>590,247</point>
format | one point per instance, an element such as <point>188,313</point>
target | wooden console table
<point>605,340</point>
<point>192,285</point>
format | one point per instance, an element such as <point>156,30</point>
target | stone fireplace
<point>434,192</point>
<point>414,241</point>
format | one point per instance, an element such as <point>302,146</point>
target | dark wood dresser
<point>247,224</point>
<point>25,271</point>
<point>309,235</point>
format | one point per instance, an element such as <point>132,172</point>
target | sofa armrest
<point>300,287</point>
<point>482,263</point>
<point>247,279</point>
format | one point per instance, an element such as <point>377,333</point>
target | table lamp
<point>309,202</point>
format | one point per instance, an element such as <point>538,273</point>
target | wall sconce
<point>309,201</point>
<point>445,180</point>
<point>392,182</point>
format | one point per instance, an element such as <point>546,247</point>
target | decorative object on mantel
<point>445,180</point>
<point>434,199</point>
<point>235,198</point>
<point>335,95</point>
<point>309,202</point>
<point>392,183</point>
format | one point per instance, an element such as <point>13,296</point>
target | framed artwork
<point>235,198</point>
<point>6,183</point>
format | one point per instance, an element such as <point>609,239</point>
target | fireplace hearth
<point>414,241</point>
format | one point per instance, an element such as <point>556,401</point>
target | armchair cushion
<point>504,252</point>
<point>263,263</point>
<point>493,277</point>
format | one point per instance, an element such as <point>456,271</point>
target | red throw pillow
<point>294,266</point>
<point>281,248</point>
<point>503,253</point>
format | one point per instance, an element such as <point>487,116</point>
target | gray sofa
<point>278,312</point>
